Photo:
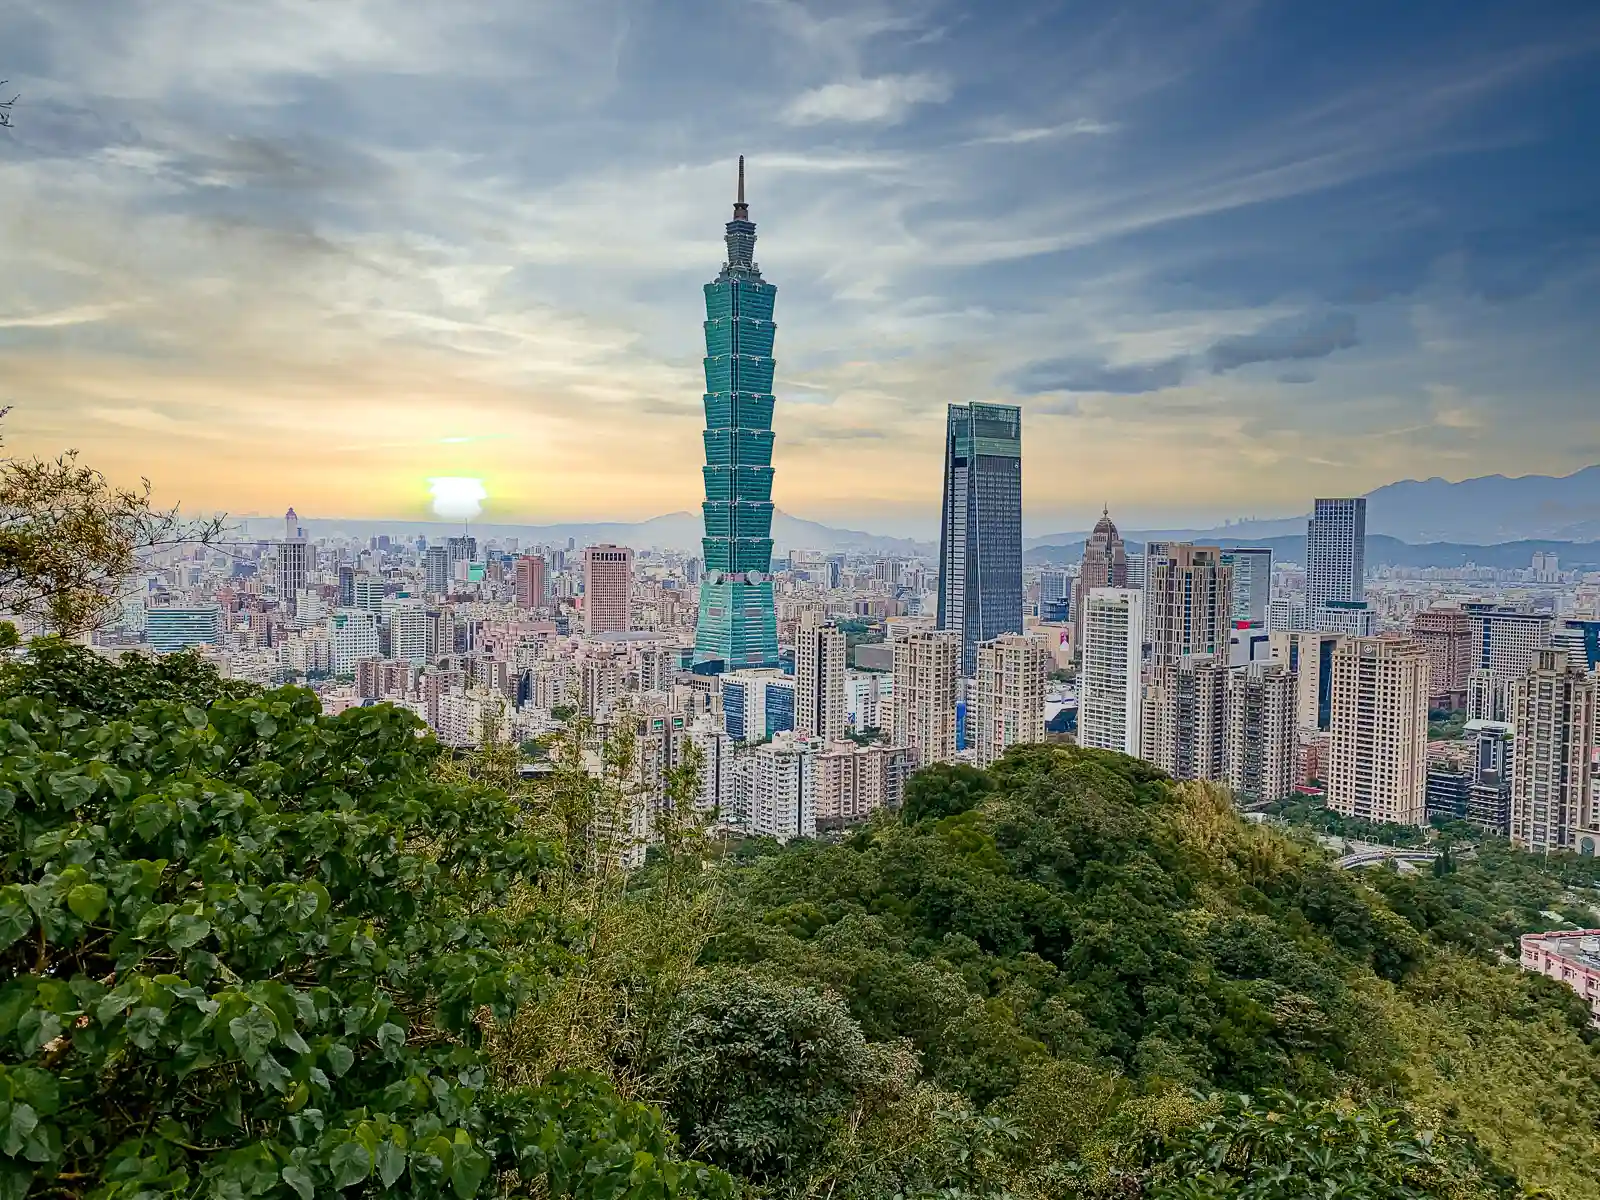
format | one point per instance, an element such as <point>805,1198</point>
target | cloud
<point>1091,375</point>
<point>1297,377</point>
<point>1288,341</point>
<point>1083,126</point>
<point>886,100</point>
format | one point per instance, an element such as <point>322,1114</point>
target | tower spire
<point>741,210</point>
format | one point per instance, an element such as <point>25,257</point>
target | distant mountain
<point>1482,511</point>
<point>672,531</point>
<point>1382,551</point>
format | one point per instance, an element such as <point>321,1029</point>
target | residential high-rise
<point>783,788</point>
<point>1105,565</point>
<point>1336,540</point>
<point>296,561</point>
<point>1553,714</point>
<point>347,586</point>
<point>366,591</point>
<point>853,782</point>
<point>738,625</point>
<point>531,581</point>
<point>1447,633</point>
<point>1181,727</point>
<point>980,529</point>
<point>1260,735</point>
<point>1007,698</point>
<point>926,666</point>
<point>819,672</point>
<point>1505,640</point>
<point>408,633</point>
<point>1309,658</point>
<point>1108,680</point>
<point>1252,581</point>
<point>463,547</point>
<point>1378,750</point>
<point>171,629</point>
<point>1188,599</point>
<point>607,589</point>
<point>437,569</point>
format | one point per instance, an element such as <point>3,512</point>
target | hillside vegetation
<point>252,950</point>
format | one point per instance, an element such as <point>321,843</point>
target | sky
<point>1226,256</point>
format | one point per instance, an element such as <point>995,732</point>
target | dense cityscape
<point>814,683</point>
<point>1120,722</point>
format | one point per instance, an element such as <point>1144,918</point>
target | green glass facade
<point>737,623</point>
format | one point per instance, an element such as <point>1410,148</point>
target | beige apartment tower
<point>1188,603</point>
<point>607,589</point>
<point>1447,632</point>
<point>1553,713</point>
<point>925,667</point>
<point>1378,748</point>
<point>819,671</point>
<point>1007,707</point>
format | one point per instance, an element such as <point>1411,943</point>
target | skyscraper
<point>1188,598</point>
<point>1108,683</point>
<point>607,589</point>
<point>1336,557</point>
<point>819,669</point>
<point>1260,731</point>
<point>738,624</point>
<point>1553,713</point>
<point>1505,641</point>
<point>1183,720</point>
<point>437,567</point>
<point>1008,696</point>
<point>296,561</point>
<point>980,531</point>
<point>530,581</point>
<point>1105,565</point>
<point>1446,630</point>
<point>924,702</point>
<point>1378,752</point>
<point>1252,581</point>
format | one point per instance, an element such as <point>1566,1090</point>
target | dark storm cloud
<point>1091,375</point>
<point>1288,341</point>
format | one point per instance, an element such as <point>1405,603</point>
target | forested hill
<point>251,950</point>
<point>1072,947</point>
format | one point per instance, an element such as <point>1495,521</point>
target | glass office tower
<point>980,534</point>
<point>738,625</point>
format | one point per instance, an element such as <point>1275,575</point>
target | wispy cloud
<point>886,100</point>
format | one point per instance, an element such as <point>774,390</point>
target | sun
<point>457,498</point>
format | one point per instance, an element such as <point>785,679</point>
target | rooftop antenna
<point>741,210</point>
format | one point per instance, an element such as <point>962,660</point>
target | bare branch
<point>5,106</point>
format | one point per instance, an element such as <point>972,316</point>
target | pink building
<point>1572,956</point>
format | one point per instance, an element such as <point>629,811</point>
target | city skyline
<point>1242,258</point>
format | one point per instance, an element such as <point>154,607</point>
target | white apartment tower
<point>1007,706</point>
<point>1378,749</point>
<point>783,788</point>
<point>1506,641</point>
<point>1108,682</point>
<point>926,664</point>
<point>1336,539</point>
<point>607,589</point>
<point>819,671</point>
<point>1553,714</point>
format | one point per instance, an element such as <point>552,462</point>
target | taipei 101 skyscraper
<point>738,625</point>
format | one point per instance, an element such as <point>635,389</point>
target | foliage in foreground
<point>253,950</point>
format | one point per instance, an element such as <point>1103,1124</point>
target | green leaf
<point>20,1123</point>
<point>16,918</point>
<point>390,1038</point>
<point>87,901</point>
<point>253,1032</point>
<point>467,1171</point>
<point>340,1058</point>
<point>350,1163</point>
<point>186,931</point>
<point>391,1163</point>
<point>300,1180</point>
